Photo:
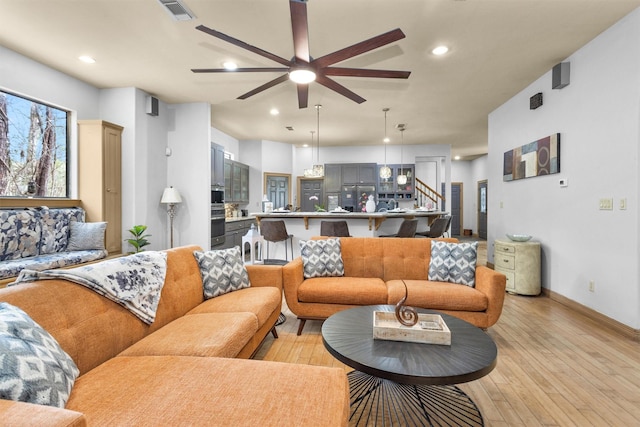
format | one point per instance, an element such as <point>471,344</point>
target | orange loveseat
<point>185,368</point>
<point>374,272</point>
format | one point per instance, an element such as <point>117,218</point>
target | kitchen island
<point>304,225</point>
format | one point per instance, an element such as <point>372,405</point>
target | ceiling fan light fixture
<point>440,50</point>
<point>302,75</point>
<point>230,65</point>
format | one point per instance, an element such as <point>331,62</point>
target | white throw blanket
<point>135,281</point>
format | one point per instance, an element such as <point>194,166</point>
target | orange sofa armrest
<point>21,414</point>
<point>292,278</point>
<point>265,275</point>
<point>493,285</point>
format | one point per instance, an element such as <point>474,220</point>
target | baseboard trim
<point>621,328</point>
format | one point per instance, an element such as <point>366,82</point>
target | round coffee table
<point>404,383</point>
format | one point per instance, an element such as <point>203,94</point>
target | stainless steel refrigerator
<point>354,197</point>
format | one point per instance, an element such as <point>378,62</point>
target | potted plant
<point>139,240</point>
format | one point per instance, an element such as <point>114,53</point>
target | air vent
<point>177,10</point>
<point>289,128</point>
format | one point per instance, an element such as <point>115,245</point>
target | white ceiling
<point>498,47</point>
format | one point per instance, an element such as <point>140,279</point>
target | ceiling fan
<point>302,68</point>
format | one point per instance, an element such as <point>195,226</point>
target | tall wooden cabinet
<point>99,177</point>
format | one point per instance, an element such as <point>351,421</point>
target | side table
<point>520,262</point>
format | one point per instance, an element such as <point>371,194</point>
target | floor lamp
<point>171,197</point>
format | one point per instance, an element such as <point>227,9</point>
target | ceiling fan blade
<point>360,48</point>
<point>239,70</point>
<point>244,45</point>
<point>337,87</point>
<point>303,95</point>
<point>265,86</point>
<point>300,28</point>
<point>361,72</point>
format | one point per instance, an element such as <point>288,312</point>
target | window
<point>34,142</point>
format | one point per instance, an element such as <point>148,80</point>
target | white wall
<point>189,170</point>
<point>598,117</point>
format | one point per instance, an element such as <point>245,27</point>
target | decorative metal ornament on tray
<point>406,315</point>
<point>407,325</point>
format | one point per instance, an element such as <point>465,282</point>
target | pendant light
<point>308,173</point>
<point>402,178</point>
<point>385,171</point>
<point>318,168</point>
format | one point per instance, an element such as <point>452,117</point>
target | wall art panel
<point>541,157</point>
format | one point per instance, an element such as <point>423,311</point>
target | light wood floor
<point>555,367</point>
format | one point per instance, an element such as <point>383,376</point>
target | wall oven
<point>217,224</point>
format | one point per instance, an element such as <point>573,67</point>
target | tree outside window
<point>33,148</point>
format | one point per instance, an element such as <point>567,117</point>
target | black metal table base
<point>379,402</point>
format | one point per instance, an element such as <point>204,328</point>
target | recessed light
<point>305,145</point>
<point>440,50</point>
<point>386,140</point>
<point>87,59</point>
<point>274,112</point>
<point>456,158</point>
<point>230,65</point>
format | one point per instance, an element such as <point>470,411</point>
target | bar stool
<point>334,229</point>
<point>407,229</point>
<point>438,228</point>
<point>276,231</point>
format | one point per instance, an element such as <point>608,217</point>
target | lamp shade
<point>171,196</point>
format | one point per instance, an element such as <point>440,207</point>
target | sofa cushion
<point>343,290</point>
<point>19,233</point>
<point>321,258</point>
<point>453,262</point>
<point>55,227</point>
<point>85,236</point>
<point>222,271</point>
<point>201,391</point>
<point>205,335</point>
<point>12,268</point>
<point>438,295</point>
<point>34,368</point>
<point>261,301</point>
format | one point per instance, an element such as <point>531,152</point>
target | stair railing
<point>425,193</point>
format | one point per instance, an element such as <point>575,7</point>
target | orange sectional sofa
<point>374,272</point>
<point>187,368</point>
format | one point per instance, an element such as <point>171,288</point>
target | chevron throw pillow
<point>321,258</point>
<point>453,262</point>
<point>33,366</point>
<point>222,271</point>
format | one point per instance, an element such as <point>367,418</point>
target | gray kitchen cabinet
<point>236,182</point>
<point>217,165</point>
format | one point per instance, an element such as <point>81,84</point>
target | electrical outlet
<point>592,286</point>
<point>606,204</point>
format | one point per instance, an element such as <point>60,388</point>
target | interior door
<point>456,208</point>
<point>277,190</point>
<point>483,207</point>
<point>310,189</point>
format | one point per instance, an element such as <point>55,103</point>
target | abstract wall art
<point>541,157</point>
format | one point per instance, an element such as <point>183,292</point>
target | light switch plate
<point>606,204</point>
